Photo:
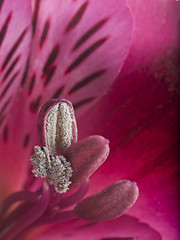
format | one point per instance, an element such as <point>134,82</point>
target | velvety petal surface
<point>155,29</point>
<point>142,127</point>
<point>15,36</point>
<point>123,228</point>
<point>15,39</point>
<point>140,118</point>
<point>78,50</point>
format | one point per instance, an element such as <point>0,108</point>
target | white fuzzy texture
<point>56,168</point>
<point>59,127</point>
<point>50,129</point>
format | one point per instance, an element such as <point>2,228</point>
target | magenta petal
<point>86,156</point>
<point>151,18</point>
<point>143,132</point>
<point>110,203</point>
<point>78,50</point>
<point>140,117</point>
<point>124,228</point>
<point>15,39</point>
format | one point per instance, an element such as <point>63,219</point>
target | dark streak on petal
<point>5,27</point>
<point>86,54</point>
<point>11,68</point>
<point>83,102</point>
<point>1,3</point>
<point>35,104</point>
<point>58,92</point>
<point>26,140</point>
<point>89,33</point>
<point>13,49</point>
<point>31,85</point>
<point>5,106</point>
<point>50,75</point>
<point>5,133</point>
<point>87,225</point>
<point>44,33</point>
<point>50,60</point>
<point>77,17</point>
<point>35,16</point>
<point>23,80</point>
<point>8,85</point>
<point>86,81</point>
<point>2,119</point>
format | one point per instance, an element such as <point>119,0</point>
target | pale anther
<point>59,128</point>
<point>60,174</point>
<point>56,168</point>
<point>40,161</point>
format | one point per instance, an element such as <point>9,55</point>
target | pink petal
<point>15,37</point>
<point>103,30</point>
<point>86,156</point>
<point>123,228</point>
<point>140,118</point>
<point>143,136</point>
<point>156,30</point>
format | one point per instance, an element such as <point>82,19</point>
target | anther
<point>57,126</point>
<point>60,174</point>
<point>40,161</point>
<point>110,203</point>
<point>56,168</point>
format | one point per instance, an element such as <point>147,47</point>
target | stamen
<point>65,125</point>
<point>75,197</point>
<point>60,127</point>
<point>30,216</point>
<point>41,161</point>
<point>60,173</point>
<point>50,129</point>
<point>110,203</point>
<point>14,215</point>
<point>36,185</point>
<point>58,217</point>
<point>15,197</point>
<point>56,168</point>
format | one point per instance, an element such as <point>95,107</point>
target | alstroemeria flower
<point>74,50</point>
